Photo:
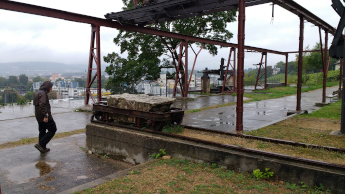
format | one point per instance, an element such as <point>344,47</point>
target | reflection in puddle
<point>22,174</point>
<point>43,167</point>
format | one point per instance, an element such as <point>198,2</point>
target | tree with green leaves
<point>147,54</point>
<point>58,79</point>
<point>81,82</point>
<point>29,95</point>
<point>23,79</point>
<point>13,80</point>
<point>37,79</point>
<point>3,82</point>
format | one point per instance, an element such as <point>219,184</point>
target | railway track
<point>315,163</point>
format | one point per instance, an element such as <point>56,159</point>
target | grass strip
<point>26,141</point>
<point>184,176</point>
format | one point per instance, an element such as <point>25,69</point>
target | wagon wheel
<point>177,121</point>
<point>98,115</point>
<point>157,125</point>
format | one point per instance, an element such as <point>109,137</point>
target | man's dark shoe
<point>37,146</point>
<point>46,150</point>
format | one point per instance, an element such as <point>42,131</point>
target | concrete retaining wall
<point>134,146</point>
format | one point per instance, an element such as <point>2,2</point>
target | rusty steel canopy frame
<point>289,5</point>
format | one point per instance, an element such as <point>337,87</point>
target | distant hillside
<point>36,68</point>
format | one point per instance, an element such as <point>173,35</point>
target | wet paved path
<point>17,122</point>
<point>24,170</point>
<point>256,114</point>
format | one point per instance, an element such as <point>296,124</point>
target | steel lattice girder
<point>167,10</point>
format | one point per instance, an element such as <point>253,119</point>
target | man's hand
<point>45,119</point>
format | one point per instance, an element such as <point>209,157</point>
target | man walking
<point>44,117</point>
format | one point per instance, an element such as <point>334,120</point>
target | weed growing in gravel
<point>171,128</point>
<point>157,155</point>
<point>262,175</point>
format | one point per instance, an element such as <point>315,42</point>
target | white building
<point>275,71</point>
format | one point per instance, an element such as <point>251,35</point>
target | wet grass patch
<point>311,128</point>
<point>26,141</point>
<point>184,176</point>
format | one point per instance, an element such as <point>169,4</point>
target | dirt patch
<point>50,179</point>
<point>317,124</point>
<point>43,187</point>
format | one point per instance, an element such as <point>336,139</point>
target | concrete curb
<point>108,178</point>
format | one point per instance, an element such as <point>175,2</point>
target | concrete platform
<point>24,170</point>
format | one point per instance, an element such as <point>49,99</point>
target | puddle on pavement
<point>222,123</point>
<point>22,174</point>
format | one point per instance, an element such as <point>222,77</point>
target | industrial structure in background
<point>168,10</point>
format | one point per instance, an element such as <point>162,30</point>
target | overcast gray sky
<point>29,38</point>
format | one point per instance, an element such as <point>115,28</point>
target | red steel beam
<point>54,13</point>
<point>340,77</point>
<point>325,68</point>
<point>291,52</point>
<point>300,63</point>
<point>286,68</point>
<point>240,72</point>
<point>186,86</point>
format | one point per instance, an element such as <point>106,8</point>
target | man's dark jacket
<point>41,102</point>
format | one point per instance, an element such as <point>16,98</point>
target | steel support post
<point>325,68</point>
<point>258,77</point>
<point>286,68</point>
<point>265,87</point>
<point>196,56</point>
<point>186,83</point>
<point>240,72</point>
<point>95,35</point>
<point>233,69</point>
<point>340,76</point>
<point>300,63</point>
<point>342,126</point>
